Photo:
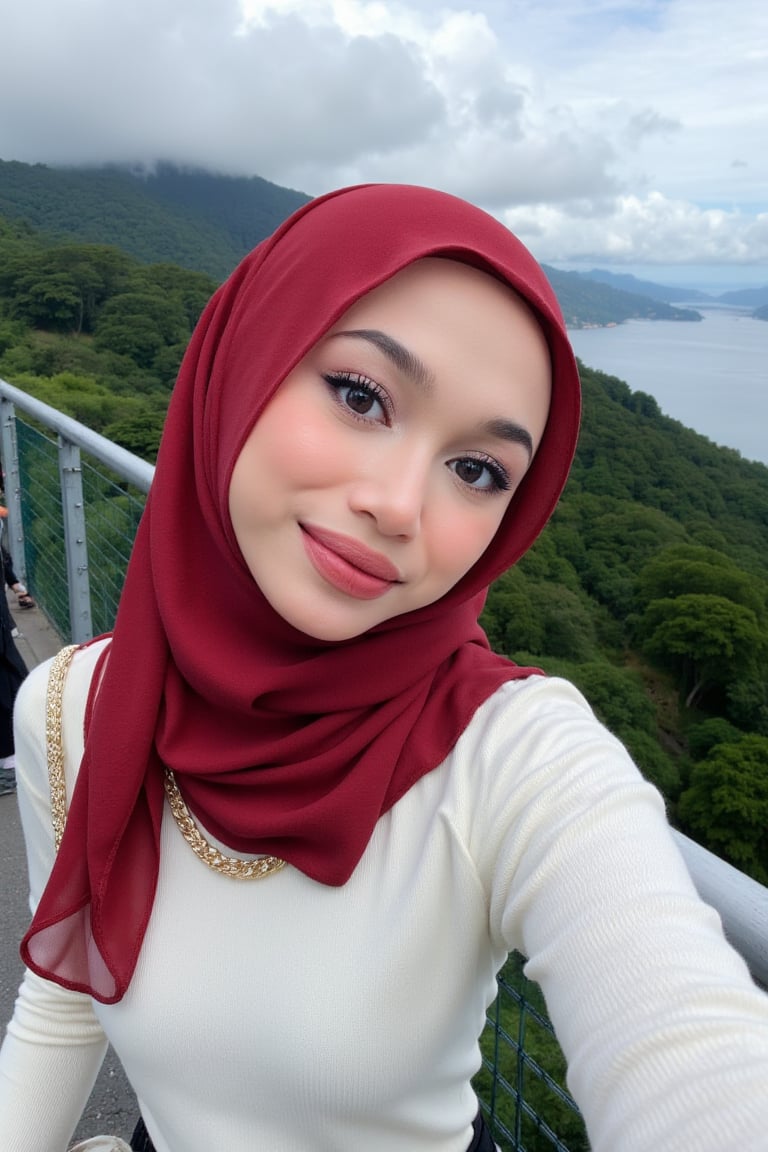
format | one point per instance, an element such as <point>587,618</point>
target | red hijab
<point>281,744</point>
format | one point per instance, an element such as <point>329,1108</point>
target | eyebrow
<point>404,360</point>
<point>416,370</point>
<point>514,433</point>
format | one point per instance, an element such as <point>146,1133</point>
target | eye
<point>481,473</point>
<point>359,395</point>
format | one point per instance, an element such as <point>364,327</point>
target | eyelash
<point>500,479</point>
<point>338,381</point>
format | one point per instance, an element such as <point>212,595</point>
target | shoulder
<point>31,699</point>
<point>30,712</point>
<point>536,718</point>
<point>535,755</point>
<point>34,791</point>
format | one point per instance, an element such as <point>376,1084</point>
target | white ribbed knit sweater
<point>284,1016</point>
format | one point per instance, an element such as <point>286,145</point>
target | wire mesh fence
<point>112,512</point>
<point>521,1083</point>
<point>41,511</point>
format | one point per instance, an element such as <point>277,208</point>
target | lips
<point>347,564</point>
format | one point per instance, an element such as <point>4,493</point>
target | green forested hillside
<point>648,589</point>
<point>195,219</point>
<point>208,222</point>
<point>90,330</point>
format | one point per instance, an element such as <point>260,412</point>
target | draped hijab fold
<point>281,744</point>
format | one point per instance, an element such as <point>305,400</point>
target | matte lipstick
<point>347,564</point>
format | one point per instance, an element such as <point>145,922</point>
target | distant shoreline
<point>712,377</point>
<point>745,310</point>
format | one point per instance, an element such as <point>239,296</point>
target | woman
<point>375,418</point>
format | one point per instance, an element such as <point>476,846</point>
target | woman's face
<point>382,467</point>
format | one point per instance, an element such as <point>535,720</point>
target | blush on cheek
<point>465,544</point>
<point>320,455</point>
<point>291,451</point>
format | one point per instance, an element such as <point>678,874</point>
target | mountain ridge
<point>207,222</point>
<point>670,294</point>
<point>196,219</point>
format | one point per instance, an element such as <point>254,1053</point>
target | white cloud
<point>624,130</point>
<point>648,230</point>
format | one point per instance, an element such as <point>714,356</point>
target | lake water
<point>711,376</point>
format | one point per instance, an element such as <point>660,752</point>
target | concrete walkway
<point>37,640</point>
<point>112,1107</point>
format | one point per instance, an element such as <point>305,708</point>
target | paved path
<point>112,1106</point>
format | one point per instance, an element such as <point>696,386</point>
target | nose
<point>392,490</point>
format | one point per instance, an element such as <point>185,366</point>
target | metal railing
<point>71,528</point>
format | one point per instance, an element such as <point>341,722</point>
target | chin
<point>323,623</point>
<point>332,633</point>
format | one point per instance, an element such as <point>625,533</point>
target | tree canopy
<point>726,804</point>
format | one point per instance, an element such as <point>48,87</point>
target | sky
<point>625,134</point>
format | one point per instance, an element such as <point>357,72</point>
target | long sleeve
<point>665,1034</point>
<point>54,1044</point>
<point>49,1061</point>
<point>360,1028</point>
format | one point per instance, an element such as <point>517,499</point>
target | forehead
<point>440,307</point>
<point>438,279</point>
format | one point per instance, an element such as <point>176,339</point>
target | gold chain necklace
<point>227,865</point>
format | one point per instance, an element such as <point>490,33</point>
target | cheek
<point>455,552</point>
<point>293,451</point>
<point>317,457</point>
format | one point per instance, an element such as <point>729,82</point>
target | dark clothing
<point>10,576</point>
<point>140,1141</point>
<point>481,1140</point>
<point>12,672</point>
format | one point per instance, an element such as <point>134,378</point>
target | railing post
<point>12,487</point>
<point>75,542</point>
